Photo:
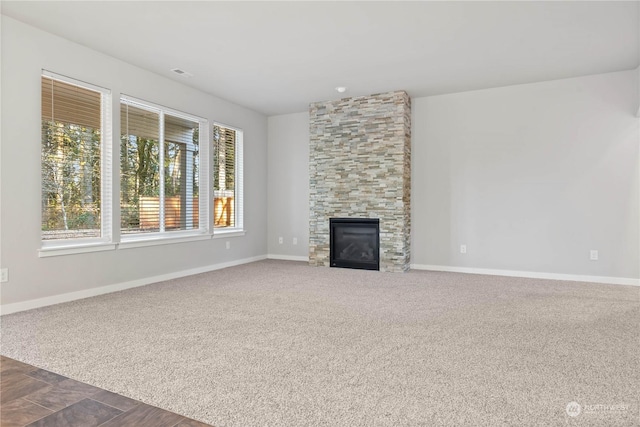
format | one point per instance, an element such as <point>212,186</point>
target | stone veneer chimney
<point>360,167</point>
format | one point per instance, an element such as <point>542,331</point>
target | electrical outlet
<point>593,255</point>
<point>4,275</point>
<point>228,245</point>
<point>295,240</point>
<point>463,249</point>
<point>280,240</point>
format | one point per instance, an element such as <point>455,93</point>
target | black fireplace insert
<point>355,243</point>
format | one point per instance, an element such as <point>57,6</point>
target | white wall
<point>529,177</point>
<point>25,52</point>
<point>288,185</point>
<point>638,113</point>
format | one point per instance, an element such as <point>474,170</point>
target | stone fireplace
<point>360,167</point>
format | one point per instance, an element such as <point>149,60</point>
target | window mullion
<point>238,180</point>
<point>206,173</point>
<point>106,162</point>
<point>161,172</point>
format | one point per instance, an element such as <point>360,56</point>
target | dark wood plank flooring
<point>34,397</point>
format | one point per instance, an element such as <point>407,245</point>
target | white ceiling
<point>277,57</point>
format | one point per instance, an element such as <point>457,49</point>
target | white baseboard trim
<point>87,293</point>
<point>288,257</point>
<point>530,274</point>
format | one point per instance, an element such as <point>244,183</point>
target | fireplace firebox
<point>355,243</point>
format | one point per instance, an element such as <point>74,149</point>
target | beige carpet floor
<point>277,343</point>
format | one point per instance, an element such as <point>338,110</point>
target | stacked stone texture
<point>360,167</point>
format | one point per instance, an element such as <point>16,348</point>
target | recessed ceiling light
<point>182,73</point>
<point>341,89</point>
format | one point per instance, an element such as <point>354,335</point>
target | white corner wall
<point>25,52</point>
<point>288,186</point>
<point>530,178</point>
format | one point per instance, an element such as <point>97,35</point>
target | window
<point>76,146</point>
<point>159,170</point>
<point>227,177</point>
<point>166,177</point>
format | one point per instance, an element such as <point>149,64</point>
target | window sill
<point>139,242</point>
<point>220,234</point>
<point>132,242</point>
<point>71,249</point>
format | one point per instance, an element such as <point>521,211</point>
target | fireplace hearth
<point>355,243</point>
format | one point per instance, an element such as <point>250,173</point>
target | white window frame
<point>105,242</point>
<point>238,230</point>
<point>203,231</point>
<point>111,237</point>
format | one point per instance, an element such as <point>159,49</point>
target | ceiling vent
<point>182,73</point>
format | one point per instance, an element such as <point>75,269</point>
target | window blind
<point>225,176</point>
<point>139,169</point>
<point>181,173</point>
<point>159,170</point>
<point>71,160</point>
